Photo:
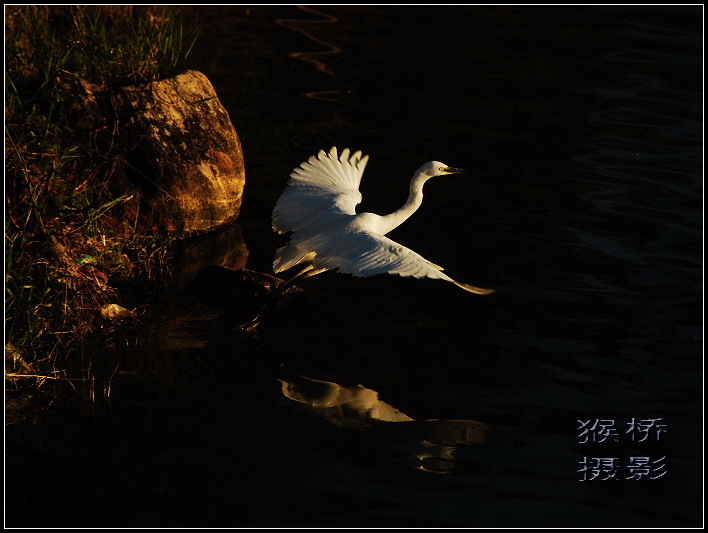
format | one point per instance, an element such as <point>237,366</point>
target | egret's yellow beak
<point>453,170</point>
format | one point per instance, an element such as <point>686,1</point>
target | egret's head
<point>436,168</point>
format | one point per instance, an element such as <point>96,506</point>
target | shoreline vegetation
<point>79,265</point>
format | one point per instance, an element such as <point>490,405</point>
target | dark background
<point>584,128</point>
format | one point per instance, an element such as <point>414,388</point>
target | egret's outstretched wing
<point>367,254</point>
<point>324,185</point>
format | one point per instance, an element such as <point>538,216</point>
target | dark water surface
<point>389,402</point>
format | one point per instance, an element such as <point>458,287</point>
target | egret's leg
<point>306,272</point>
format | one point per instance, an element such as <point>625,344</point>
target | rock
<point>224,247</point>
<point>182,156</point>
<point>116,312</point>
<point>243,291</point>
<point>185,155</point>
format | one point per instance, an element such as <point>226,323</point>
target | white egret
<point>318,207</point>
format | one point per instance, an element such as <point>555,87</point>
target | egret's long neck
<point>415,198</point>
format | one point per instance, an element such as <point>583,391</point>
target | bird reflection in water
<point>358,407</point>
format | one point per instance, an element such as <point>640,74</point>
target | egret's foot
<point>251,325</point>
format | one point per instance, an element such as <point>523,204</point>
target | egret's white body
<point>319,207</point>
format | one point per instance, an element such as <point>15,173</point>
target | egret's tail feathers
<point>473,289</point>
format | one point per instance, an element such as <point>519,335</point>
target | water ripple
<point>315,58</point>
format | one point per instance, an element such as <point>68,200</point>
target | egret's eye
<point>442,169</point>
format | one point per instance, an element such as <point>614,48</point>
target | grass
<point>70,251</point>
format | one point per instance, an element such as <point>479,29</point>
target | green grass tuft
<point>69,249</point>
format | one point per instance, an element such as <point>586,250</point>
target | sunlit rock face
<point>179,155</point>
<point>186,156</point>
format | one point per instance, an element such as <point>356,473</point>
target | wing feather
<point>367,254</point>
<point>325,184</point>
